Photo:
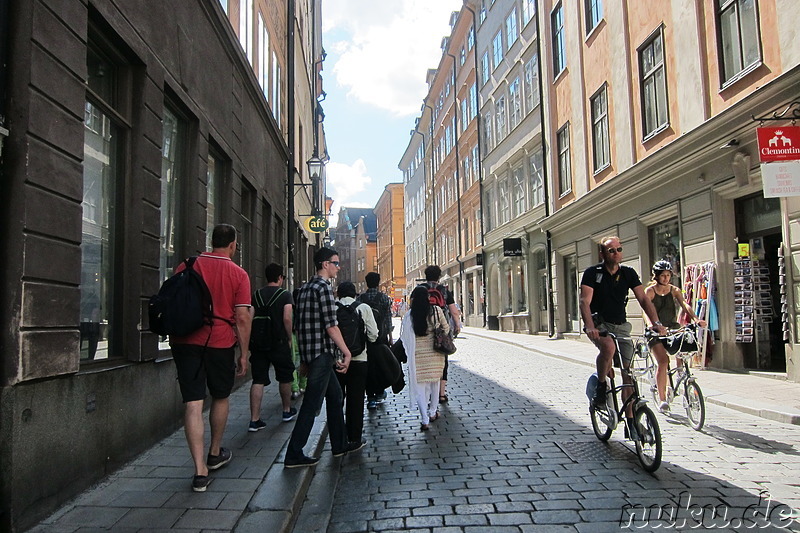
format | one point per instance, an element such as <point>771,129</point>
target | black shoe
<point>218,461</point>
<point>399,386</point>
<point>599,401</point>
<point>200,483</point>
<point>302,461</point>
<point>352,446</point>
<point>258,425</point>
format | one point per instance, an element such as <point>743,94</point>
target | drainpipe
<point>4,40</point>
<point>551,326</point>
<point>290,117</point>
<point>460,254</point>
<point>480,153</point>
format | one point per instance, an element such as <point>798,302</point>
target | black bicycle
<point>645,434</point>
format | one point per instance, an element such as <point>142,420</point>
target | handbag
<point>443,342</point>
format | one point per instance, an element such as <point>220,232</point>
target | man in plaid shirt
<point>318,338</point>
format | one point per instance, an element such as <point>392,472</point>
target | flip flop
<point>443,398</point>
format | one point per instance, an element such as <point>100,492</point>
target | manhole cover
<point>594,451</point>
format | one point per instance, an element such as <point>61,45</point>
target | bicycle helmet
<point>661,266</point>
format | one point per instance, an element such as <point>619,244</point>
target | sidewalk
<point>766,397</point>
<point>153,492</point>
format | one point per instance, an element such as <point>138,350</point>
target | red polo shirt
<point>230,288</point>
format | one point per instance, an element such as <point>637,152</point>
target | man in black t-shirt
<point>604,295</point>
<point>272,321</point>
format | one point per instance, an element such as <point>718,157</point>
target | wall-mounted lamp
<point>733,143</point>
<point>315,166</point>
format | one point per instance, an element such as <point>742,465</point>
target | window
<point>263,56</point>
<point>528,11</point>
<point>470,39</point>
<point>487,130</point>
<point>224,4</point>
<point>467,244</point>
<point>276,89</point>
<point>266,218</point>
<point>102,182</point>
<point>515,102</point>
<point>571,293</point>
<point>504,211</point>
<point>511,29</point>
<point>739,38</point>
<point>485,68</point>
<point>594,12</point>
<point>535,164</point>
<point>483,11</point>
<point>464,115</point>
<point>518,182</point>
<point>462,57</point>
<point>500,109</point>
<point>173,148</point>
<point>490,210</point>
<point>531,84</point>
<point>654,84</point>
<point>564,167</point>
<point>246,27</point>
<point>473,101</point>
<point>497,49</point>
<point>665,243</point>
<point>277,240</point>
<point>559,50</point>
<point>599,103</point>
<point>246,240</point>
<point>214,179</point>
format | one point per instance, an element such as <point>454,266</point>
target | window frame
<point>558,39</point>
<point>497,49</point>
<point>564,162</point>
<point>661,66</point>
<point>745,69</point>
<point>601,121</point>
<point>593,14</point>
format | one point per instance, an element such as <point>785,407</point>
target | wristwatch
<point>657,323</point>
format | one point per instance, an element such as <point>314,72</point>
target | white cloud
<point>385,48</point>
<point>345,183</point>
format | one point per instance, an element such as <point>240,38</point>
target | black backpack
<point>352,327</point>
<point>266,330</point>
<point>183,303</point>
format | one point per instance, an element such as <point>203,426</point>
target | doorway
<point>758,222</point>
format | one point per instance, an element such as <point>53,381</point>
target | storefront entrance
<point>758,222</point>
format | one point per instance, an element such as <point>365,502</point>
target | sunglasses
<point>334,263</point>
<point>612,250</point>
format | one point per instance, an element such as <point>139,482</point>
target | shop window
<point>266,217</point>
<point>739,39</point>
<point>173,146</point>
<point>215,178</point>
<point>652,72</point>
<point>665,243</point>
<point>103,145</point>
<point>508,293</point>
<point>522,296</point>
<point>246,244</point>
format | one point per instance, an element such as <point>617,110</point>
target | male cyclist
<point>604,295</point>
<point>665,296</point>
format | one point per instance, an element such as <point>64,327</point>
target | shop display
<point>699,291</point>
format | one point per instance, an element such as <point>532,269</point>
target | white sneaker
<point>663,407</point>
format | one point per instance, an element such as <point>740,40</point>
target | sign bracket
<point>794,107</point>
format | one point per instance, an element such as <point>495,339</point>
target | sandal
<point>435,417</point>
<point>425,427</point>
<point>443,398</point>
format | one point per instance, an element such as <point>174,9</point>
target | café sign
<point>780,143</point>
<point>317,224</point>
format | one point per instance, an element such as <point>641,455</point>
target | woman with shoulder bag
<point>425,364</point>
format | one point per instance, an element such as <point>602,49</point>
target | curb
<point>275,505</point>
<point>730,401</point>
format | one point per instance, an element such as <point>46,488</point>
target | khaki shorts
<point>625,345</point>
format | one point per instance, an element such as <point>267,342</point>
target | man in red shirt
<point>206,358</point>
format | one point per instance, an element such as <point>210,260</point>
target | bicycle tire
<point>601,429</point>
<point>648,445</point>
<point>695,404</point>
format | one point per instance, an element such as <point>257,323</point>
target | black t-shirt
<point>610,291</point>
<point>275,311</point>
<point>448,295</point>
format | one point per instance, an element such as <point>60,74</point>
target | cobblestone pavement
<point>514,451</point>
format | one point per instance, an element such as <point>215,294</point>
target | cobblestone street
<point>514,451</point>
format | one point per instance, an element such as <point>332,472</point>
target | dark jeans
<point>322,385</point>
<point>353,384</point>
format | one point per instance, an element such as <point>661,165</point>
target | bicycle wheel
<point>695,404</point>
<point>648,445</point>
<point>602,423</point>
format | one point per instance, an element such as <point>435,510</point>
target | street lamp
<point>315,166</point>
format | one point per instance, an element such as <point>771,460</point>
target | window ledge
<point>593,30</point>
<point>560,74</point>
<point>565,193</point>
<point>655,132</point>
<point>602,169</point>
<point>740,75</point>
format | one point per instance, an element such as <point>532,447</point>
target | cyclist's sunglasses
<point>612,250</point>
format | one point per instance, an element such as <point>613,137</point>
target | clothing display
<point>699,282</point>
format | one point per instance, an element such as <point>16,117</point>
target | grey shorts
<point>625,345</point>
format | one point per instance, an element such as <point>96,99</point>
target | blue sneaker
<point>290,415</point>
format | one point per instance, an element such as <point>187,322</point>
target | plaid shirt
<point>374,298</point>
<point>316,312</point>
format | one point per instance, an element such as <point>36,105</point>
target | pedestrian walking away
<point>381,307</point>
<point>206,358</point>
<point>318,338</point>
<point>271,344</point>
<point>425,364</point>
<point>604,295</point>
<point>453,314</point>
<point>354,382</point>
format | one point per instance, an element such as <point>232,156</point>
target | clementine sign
<point>778,143</point>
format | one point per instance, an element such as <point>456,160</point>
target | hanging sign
<point>781,179</point>
<point>778,143</point>
<point>512,247</point>
<point>317,224</point>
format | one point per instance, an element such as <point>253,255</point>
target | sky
<point>378,55</point>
